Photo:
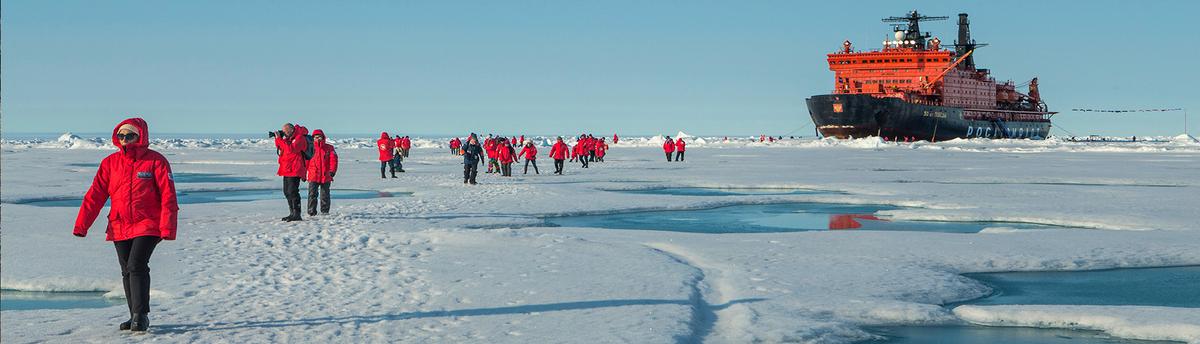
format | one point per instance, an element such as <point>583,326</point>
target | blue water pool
<point>764,218</point>
<point>698,191</point>
<point>193,197</point>
<point>22,300</point>
<point>994,335</point>
<point>1169,287</point>
<point>196,177</point>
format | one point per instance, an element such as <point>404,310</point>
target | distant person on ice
<point>558,152</point>
<point>472,154</point>
<point>398,154</point>
<point>291,144</point>
<point>455,143</point>
<point>668,147</point>
<point>143,211</point>
<point>505,154</point>
<point>321,169</point>
<point>530,154</point>
<point>386,147</point>
<point>680,146</point>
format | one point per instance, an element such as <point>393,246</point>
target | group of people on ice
<point>392,152</point>
<point>304,157</point>
<point>677,146</point>
<point>501,152</point>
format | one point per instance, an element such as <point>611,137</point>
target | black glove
<point>331,174</point>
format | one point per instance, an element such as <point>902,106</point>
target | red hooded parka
<point>324,162</point>
<point>139,183</point>
<point>291,162</point>
<point>669,146</point>
<point>385,146</point>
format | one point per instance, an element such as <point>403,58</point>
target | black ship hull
<point>861,115</point>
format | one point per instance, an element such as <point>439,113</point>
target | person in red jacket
<point>454,144</point>
<point>579,152</point>
<point>669,147</point>
<point>601,150</point>
<point>530,154</point>
<point>680,146</point>
<point>505,154</point>
<point>321,169</point>
<point>386,156</point>
<point>614,139</point>
<point>558,152</point>
<point>489,146</point>
<point>143,211</point>
<point>405,145</point>
<point>397,154</point>
<point>290,144</point>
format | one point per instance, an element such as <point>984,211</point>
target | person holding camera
<point>291,144</point>
<point>321,168</point>
<point>143,211</point>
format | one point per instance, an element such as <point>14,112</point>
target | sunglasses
<point>127,137</point>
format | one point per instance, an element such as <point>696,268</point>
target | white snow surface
<point>420,269</point>
<point>1134,322</point>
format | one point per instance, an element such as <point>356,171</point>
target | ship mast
<point>913,37</point>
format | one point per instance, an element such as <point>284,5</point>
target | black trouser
<point>506,169</point>
<point>469,172</point>
<point>134,256</point>
<point>291,191</point>
<point>592,155</point>
<point>679,156</point>
<point>668,156</point>
<point>383,168</point>
<point>558,166</point>
<point>583,159</point>
<point>398,165</point>
<point>531,161</point>
<point>312,197</point>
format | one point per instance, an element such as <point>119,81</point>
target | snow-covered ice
<point>455,263</point>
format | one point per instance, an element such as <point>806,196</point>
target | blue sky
<point>551,67</point>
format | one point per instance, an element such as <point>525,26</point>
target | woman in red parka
<point>143,212</point>
<point>321,169</point>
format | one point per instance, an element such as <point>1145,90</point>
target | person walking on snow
<point>505,154</point>
<point>454,145</point>
<point>680,146</point>
<point>669,147</point>
<point>398,154</point>
<point>601,150</point>
<point>558,152</point>
<point>472,154</point>
<point>580,151</point>
<point>321,169</point>
<point>290,144</point>
<point>143,212</point>
<point>530,154</point>
<point>386,155</point>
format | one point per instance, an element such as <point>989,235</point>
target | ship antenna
<point>913,31</point>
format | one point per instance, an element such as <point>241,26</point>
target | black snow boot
<point>125,326</point>
<point>139,323</point>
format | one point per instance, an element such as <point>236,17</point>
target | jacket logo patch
<point>145,175</point>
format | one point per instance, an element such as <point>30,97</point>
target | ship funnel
<point>964,43</point>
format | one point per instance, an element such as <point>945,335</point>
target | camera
<point>277,133</point>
